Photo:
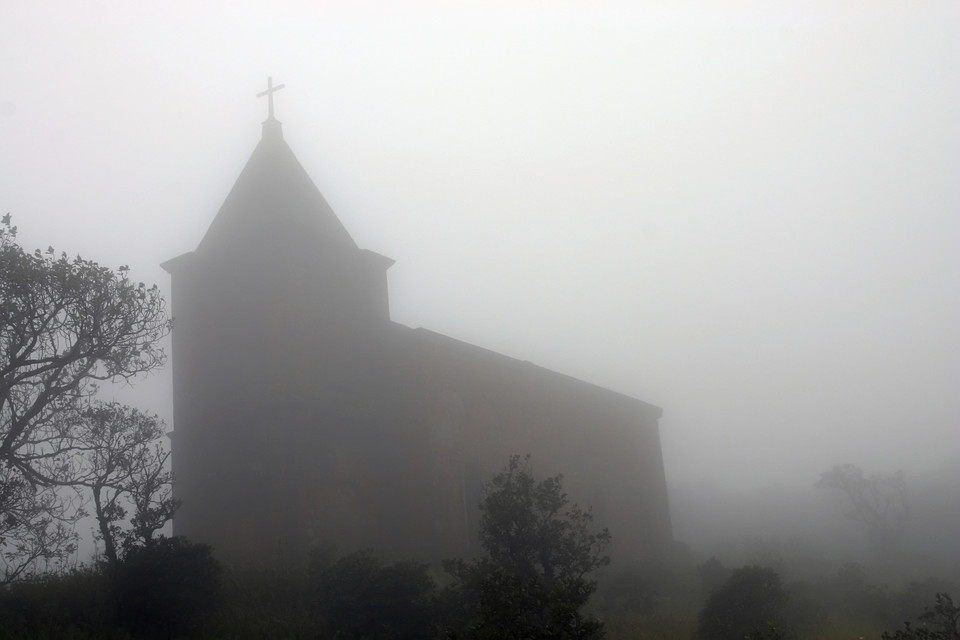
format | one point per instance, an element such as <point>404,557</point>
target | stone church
<point>304,416</point>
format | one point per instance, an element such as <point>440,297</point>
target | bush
<point>164,588</point>
<point>357,596</point>
<point>262,603</point>
<point>942,622</point>
<point>747,605</point>
<point>78,604</point>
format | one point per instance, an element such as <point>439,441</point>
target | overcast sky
<point>749,216</point>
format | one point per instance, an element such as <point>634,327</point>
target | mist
<point>747,217</point>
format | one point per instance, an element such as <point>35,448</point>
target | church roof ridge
<point>495,357</point>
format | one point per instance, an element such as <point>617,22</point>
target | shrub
<point>748,604</point>
<point>357,596</point>
<point>942,622</point>
<point>165,587</point>
<point>78,604</point>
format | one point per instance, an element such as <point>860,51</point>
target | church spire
<point>271,126</point>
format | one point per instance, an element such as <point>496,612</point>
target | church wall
<point>481,408</point>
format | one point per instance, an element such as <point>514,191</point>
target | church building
<point>303,415</point>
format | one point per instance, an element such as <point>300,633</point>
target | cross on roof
<point>269,93</point>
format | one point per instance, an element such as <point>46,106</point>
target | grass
<point>653,626</point>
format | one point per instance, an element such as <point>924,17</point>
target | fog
<point>747,216</point>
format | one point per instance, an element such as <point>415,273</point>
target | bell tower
<point>276,313</point>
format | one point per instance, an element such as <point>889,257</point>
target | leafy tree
<point>748,605</point>
<point>65,324</point>
<point>879,502</point>
<point>124,465</point>
<point>35,525</point>
<point>533,583</point>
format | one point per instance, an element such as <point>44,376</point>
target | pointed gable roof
<point>273,192</point>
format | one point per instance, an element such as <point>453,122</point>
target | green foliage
<point>533,584</point>
<point>749,603</point>
<point>770,632</point>
<point>880,603</point>
<point>165,587</point>
<point>357,596</point>
<point>77,604</point>
<point>262,603</point>
<point>666,625</point>
<point>941,622</point>
<point>649,600</point>
<point>158,591</point>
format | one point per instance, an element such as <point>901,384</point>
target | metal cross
<point>269,93</point>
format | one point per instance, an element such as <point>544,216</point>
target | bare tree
<point>65,324</point>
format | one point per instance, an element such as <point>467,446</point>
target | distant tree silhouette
<point>879,502</point>
<point>533,583</point>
